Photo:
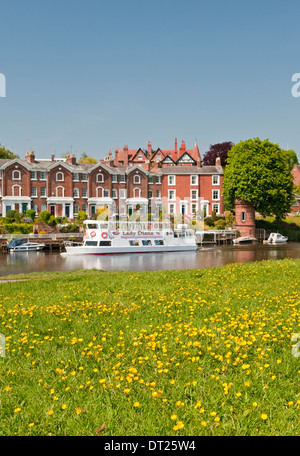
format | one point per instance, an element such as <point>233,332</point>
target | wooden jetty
<point>216,237</point>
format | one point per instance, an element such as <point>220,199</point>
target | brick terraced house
<point>143,179</point>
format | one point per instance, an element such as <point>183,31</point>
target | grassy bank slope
<point>201,352</point>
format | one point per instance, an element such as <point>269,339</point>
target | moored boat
<point>23,245</point>
<point>244,240</point>
<point>277,238</point>
<point>105,237</point>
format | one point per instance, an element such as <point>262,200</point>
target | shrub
<point>31,214</point>
<point>82,215</point>
<point>13,215</point>
<point>209,221</point>
<point>44,216</point>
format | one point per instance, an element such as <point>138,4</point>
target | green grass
<point>167,353</point>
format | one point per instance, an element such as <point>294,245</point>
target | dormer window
<point>140,157</point>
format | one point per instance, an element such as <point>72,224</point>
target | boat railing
<point>32,236</point>
<point>128,226</point>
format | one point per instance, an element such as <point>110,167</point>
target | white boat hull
<point>87,250</point>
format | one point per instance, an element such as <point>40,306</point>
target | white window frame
<point>158,179</point>
<point>17,187</point>
<point>100,178</point>
<point>122,193</point>
<point>172,192</point>
<point>150,180</point>
<point>63,192</point>
<point>196,193</point>
<point>216,198</point>
<point>33,192</point>
<point>122,178</point>
<point>84,177</point>
<point>217,178</point>
<point>106,193</point>
<point>136,179</point>
<point>114,178</point>
<point>138,191</point>
<point>45,193</point>
<point>43,176</point>
<point>75,177</point>
<point>194,176</point>
<point>173,207</point>
<point>33,175</point>
<point>216,208</point>
<point>18,173</point>
<point>114,193</point>
<point>84,192</point>
<point>75,192</point>
<point>97,192</point>
<point>58,175</point>
<point>171,177</point>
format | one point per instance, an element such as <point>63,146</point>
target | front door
<point>24,208</point>
<point>52,210</point>
<point>67,210</point>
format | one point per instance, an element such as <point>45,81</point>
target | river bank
<point>182,352</point>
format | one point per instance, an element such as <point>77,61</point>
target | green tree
<point>5,153</point>
<point>259,173</point>
<point>291,157</point>
<point>84,158</point>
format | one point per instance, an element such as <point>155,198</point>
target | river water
<point>204,257</point>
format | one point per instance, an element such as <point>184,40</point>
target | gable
<point>168,160</point>
<point>186,159</point>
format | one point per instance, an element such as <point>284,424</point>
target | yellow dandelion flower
<point>30,424</point>
<point>78,411</point>
<point>173,417</point>
<point>64,406</point>
<point>264,416</point>
<point>17,409</point>
<point>50,412</point>
<point>136,404</point>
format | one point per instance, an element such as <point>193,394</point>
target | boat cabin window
<point>105,243</point>
<point>147,242</point>
<point>159,242</point>
<point>92,226</point>
<point>134,243</point>
<point>91,243</point>
<point>103,226</point>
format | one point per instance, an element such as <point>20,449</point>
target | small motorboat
<point>23,245</point>
<point>277,238</point>
<point>244,240</point>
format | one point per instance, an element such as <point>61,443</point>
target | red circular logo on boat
<point>104,235</point>
<point>93,234</point>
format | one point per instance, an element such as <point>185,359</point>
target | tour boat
<point>277,238</point>
<point>23,245</point>
<point>105,237</point>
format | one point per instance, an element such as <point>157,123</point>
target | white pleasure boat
<point>277,238</point>
<point>23,245</point>
<point>105,237</point>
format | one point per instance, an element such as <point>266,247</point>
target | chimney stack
<point>30,157</point>
<point>218,161</point>
<point>149,148</point>
<point>71,159</point>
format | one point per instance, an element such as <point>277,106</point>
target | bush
<point>31,214</point>
<point>220,224</point>
<point>82,215</point>
<point>44,216</point>
<point>209,221</point>
<point>13,215</point>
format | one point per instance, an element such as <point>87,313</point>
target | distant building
<point>131,179</point>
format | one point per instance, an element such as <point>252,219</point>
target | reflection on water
<point>205,257</point>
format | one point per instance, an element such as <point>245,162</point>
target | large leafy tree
<point>217,150</point>
<point>259,172</point>
<point>6,153</point>
<point>84,158</point>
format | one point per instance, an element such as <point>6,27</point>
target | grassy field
<point>168,353</point>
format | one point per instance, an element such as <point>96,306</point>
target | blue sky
<point>90,76</point>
